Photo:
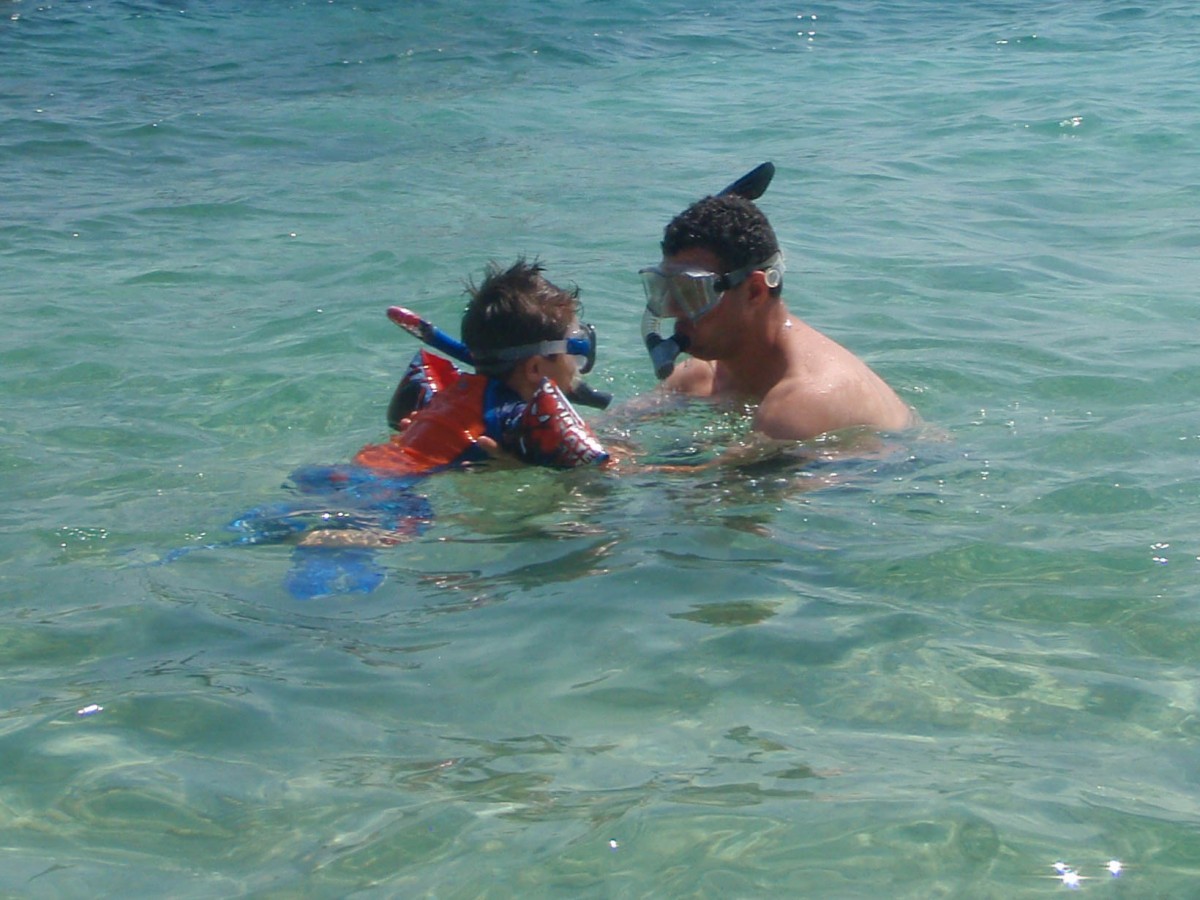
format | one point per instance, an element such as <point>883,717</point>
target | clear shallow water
<point>930,672</point>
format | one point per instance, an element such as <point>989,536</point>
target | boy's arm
<point>551,433</point>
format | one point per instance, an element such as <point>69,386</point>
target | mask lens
<point>687,294</point>
<point>694,294</point>
<point>655,285</point>
<point>581,343</point>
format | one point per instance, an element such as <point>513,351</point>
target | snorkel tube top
<point>457,408</point>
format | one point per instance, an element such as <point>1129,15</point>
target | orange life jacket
<point>457,408</point>
<point>444,434</point>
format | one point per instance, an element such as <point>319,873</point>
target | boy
<point>528,348</point>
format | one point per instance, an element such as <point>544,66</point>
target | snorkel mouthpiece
<point>663,351</point>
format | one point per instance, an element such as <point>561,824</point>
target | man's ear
<point>759,290</point>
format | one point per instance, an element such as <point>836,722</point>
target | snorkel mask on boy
<point>580,343</point>
<point>680,291</point>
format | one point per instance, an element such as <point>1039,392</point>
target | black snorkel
<point>430,334</point>
<point>586,395</point>
<point>663,351</point>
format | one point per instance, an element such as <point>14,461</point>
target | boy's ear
<point>528,367</point>
<point>534,367</point>
<point>528,371</point>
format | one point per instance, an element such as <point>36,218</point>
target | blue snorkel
<point>430,334</point>
<point>663,351</point>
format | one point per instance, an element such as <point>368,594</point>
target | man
<point>721,278</point>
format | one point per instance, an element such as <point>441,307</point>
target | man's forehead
<point>697,257</point>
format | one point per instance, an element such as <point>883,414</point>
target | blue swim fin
<point>322,571</point>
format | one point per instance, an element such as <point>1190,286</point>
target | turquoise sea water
<point>934,671</point>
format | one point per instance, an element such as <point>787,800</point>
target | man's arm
<point>692,376</point>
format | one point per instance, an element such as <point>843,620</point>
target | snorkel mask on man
<point>674,292</point>
<point>682,291</point>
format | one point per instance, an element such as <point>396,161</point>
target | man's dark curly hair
<point>732,227</point>
<point>516,306</point>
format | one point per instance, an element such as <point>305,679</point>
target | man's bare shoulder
<point>692,376</point>
<point>798,409</point>
<point>794,410</point>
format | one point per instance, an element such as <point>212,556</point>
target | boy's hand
<point>497,458</point>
